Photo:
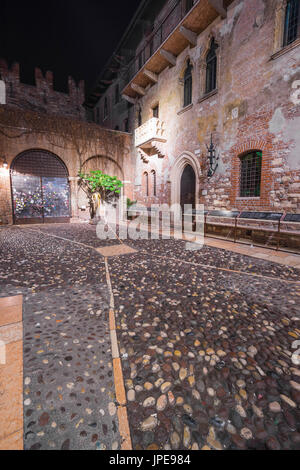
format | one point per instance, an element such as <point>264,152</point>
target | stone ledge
<point>285,49</point>
<point>207,96</point>
<point>11,374</point>
<point>186,108</point>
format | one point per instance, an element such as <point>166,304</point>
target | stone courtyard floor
<point>206,341</point>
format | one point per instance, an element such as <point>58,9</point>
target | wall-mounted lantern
<point>4,163</point>
<point>212,159</point>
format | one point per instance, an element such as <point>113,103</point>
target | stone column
<point>6,213</point>
<point>73,180</point>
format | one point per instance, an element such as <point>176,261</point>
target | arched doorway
<point>188,187</point>
<point>185,171</point>
<point>40,188</point>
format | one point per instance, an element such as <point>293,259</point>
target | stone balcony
<point>150,136</point>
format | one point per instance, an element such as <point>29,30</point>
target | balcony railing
<point>178,11</point>
<point>149,133</point>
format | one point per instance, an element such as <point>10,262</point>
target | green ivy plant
<point>99,187</point>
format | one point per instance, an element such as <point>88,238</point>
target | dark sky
<point>69,37</point>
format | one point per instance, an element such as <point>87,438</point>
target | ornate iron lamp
<point>4,164</point>
<point>212,158</point>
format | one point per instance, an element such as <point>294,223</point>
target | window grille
<point>251,174</point>
<point>292,22</point>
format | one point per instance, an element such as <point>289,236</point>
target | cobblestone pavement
<point>206,353</point>
<point>209,352</point>
<point>69,400</point>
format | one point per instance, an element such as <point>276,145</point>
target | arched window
<point>211,67</point>
<point>155,111</point>
<point>292,22</point>
<point>250,182</point>
<point>139,117</point>
<point>146,183</point>
<point>188,84</point>
<point>126,125</point>
<point>153,174</point>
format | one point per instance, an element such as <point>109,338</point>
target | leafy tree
<point>99,187</point>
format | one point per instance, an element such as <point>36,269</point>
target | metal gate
<point>40,188</point>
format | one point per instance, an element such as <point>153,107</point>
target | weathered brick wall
<point>78,144</point>
<point>42,97</point>
<point>255,107</point>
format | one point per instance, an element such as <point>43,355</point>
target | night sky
<point>69,37</point>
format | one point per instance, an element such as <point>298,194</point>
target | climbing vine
<point>84,138</point>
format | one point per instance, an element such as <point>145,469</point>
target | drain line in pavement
<point>223,269</point>
<point>117,365</point>
<point>179,260</point>
<point>118,374</point>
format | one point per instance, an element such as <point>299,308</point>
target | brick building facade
<point>44,142</point>
<point>240,62</point>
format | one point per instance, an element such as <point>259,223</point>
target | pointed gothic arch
<point>184,160</point>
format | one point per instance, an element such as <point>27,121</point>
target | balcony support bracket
<point>168,56</point>
<point>153,76</point>
<point>129,99</point>
<point>189,35</point>
<point>141,91</point>
<point>218,5</point>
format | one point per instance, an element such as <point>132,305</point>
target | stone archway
<point>184,160</point>
<point>106,164</point>
<point>40,188</point>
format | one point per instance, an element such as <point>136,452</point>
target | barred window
<point>292,22</point>
<point>211,67</point>
<point>188,84</point>
<point>251,174</point>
